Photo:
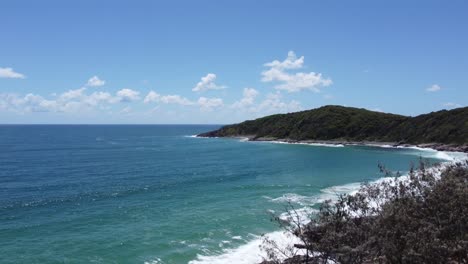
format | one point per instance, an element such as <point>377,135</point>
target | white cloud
<point>9,73</point>
<point>274,104</point>
<point>7,100</point>
<point>72,94</point>
<point>79,96</point>
<point>293,82</point>
<point>71,101</point>
<point>328,96</point>
<point>452,105</point>
<point>36,103</point>
<point>247,100</point>
<point>207,83</point>
<point>175,99</point>
<point>291,62</point>
<point>126,111</point>
<point>28,103</point>
<point>434,88</point>
<point>128,95</point>
<point>209,104</point>
<point>97,98</point>
<point>95,82</point>
<point>152,97</point>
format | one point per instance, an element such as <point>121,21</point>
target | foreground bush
<point>422,218</point>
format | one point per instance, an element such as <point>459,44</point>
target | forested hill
<point>339,123</point>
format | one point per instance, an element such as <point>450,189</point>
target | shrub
<point>422,218</point>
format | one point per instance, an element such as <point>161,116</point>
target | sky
<point>220,62</point>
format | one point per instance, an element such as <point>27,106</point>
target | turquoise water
<point>136,194</point>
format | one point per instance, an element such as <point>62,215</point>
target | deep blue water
<point>151,193</point>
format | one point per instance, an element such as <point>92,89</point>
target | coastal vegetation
<point>421,218</point>
<point>348,124</point>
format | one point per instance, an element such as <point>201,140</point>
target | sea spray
<point>252,253</point>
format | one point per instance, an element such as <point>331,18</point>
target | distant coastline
<point>433,146</point>
<point>338,125</point>
<point>284,239</point>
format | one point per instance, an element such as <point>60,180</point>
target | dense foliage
<point>422,219</point>
<point>354,124</point>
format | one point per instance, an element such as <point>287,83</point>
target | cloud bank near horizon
<point>282,76</point>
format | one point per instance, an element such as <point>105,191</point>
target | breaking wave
<point>251,252</point>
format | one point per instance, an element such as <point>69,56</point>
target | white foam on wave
<point>294,198</point>
<point>380,146</point>
<point>452,156</point>
<point>431,153</point>
<point>154,261</point>
<point>251,252</point>
<point>301,215</point>
<point>197,136</point>
<point>332,193</point>
<point>423,152</point>
<point>306,144</point>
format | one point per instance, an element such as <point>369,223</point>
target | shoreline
<point>433,146</point>
<point>251,252</point>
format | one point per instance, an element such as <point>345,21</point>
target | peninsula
<point>445,130</point>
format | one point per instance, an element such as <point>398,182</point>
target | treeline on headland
<point>420,219</point>
<point>339,123</point>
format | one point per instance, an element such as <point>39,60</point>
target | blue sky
<point>226,61</point>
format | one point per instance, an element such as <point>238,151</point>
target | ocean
<point>156,194</point>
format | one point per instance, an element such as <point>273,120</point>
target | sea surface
<point>156,194</point>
